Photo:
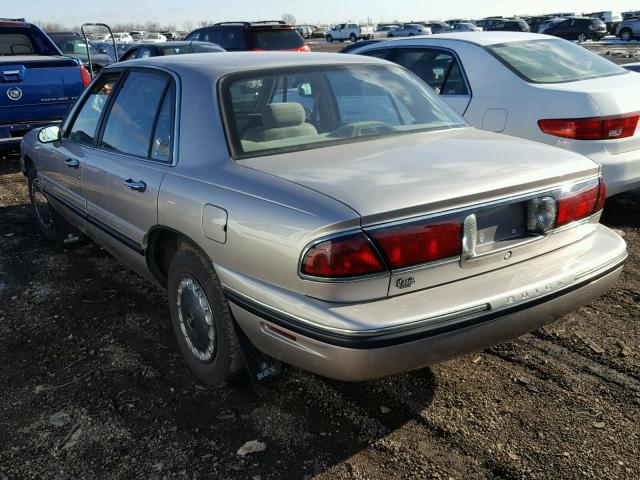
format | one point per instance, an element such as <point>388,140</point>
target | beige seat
<point>281,121</point>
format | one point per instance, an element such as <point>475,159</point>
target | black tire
<point>329,38</point>
<point>226,364</point>
<point>582,37</point>
<point>353,38</point>
<point>50,222</point>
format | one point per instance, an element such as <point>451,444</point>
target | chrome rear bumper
<point>352,343</point>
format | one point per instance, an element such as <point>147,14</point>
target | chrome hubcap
<point>196,319</point>
<point>41,204</point>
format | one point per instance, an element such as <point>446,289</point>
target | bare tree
<point>187,26</point>
<point>288,18</point>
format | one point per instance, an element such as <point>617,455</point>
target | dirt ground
<point>93,386</point>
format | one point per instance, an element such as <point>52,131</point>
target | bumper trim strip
<point>381,340</point>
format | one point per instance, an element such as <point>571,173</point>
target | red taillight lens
<point>348,256</point>
<point>580,203</point>
<point>598,128</point>
<point>420,242</point>
<point>304,48</point>
<point>84,76</point>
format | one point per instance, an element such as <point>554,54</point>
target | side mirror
<point>50,134</point>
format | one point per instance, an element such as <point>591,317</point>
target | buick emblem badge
<point>14,93</point>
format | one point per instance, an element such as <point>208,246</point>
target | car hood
<point>405,175</point>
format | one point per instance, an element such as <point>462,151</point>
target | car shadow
<point>622,210</point>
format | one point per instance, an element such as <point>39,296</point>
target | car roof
<point>479,38</point>
<point>231,62</point>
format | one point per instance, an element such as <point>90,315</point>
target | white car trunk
<point>613,95</point>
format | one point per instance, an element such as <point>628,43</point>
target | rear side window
<point>276,39</point>
<point>437,68</point>
<point>132,118</point>
<point>83,129</point>
<point>229,38</point>
<point>553,61</point>
<point>24,41</point>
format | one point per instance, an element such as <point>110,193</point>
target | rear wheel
<point>353,38</point>
<point>626,35</point>
<point>52,225</point>
<point>582,37</point>
<point>201,318</point>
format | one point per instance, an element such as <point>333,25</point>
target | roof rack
<point>12,20</point>
<point>262,22</point>
<point>233,23</point>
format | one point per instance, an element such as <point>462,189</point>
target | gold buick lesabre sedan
<point>328,211</point>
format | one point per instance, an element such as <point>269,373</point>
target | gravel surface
<point>93,386</point>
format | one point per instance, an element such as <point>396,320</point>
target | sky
<point>179,12</point>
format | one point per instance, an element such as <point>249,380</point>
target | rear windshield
<point>276,39</point>
<point>553,61</point>
<point>24,41</point>
<point>298,108</point>
<point>73,45</point>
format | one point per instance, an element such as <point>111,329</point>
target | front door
<point>63,171</point>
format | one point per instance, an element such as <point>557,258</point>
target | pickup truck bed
<point>35,89</point>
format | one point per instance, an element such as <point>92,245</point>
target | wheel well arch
<point>28,163</point>
<point>162,244</point>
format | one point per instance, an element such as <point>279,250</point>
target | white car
<point>536,87</point>
<point>410,30</point>
<point>153,37</point>
<point>349,31</point>
<point>120,37</point>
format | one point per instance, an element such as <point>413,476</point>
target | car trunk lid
<point>612,96</point>
<point>398,177</point>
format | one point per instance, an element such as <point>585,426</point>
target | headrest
<point>280,115</point>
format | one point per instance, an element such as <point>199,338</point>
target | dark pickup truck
<point>38,83</point>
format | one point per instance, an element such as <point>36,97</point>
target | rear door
<point>135,149</point>
<point>440,69</point>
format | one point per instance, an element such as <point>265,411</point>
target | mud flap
<point>261,367</point>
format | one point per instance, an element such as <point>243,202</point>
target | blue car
<point>38,83</point>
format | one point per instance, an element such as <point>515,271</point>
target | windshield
<point>72,45</point>
<point>276,39</point>
<point>553,61</point>
<point>24,41</point>
<point>299,108</point>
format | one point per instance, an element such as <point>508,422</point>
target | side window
<point>245,95</point>
<point>129,55</point>
<point>296,89</point>
<point>162,143</point>
<point>377,53</point>
<point>83,129</point>
<point>144,53</point>
<point>213,35</point>
<point>438,69</point>
<point>353,25</point>
<point>193,36</point>
<point>131,120</point>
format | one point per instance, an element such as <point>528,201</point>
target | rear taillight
<point>341,257</point>
<point>420,242</point>
<point>304,48</point>
<point>596,128</point>
<point>84,76</point>
<point>580,202</point>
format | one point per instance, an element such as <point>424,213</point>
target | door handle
<point>133,185</point>
<point>72,162</point>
